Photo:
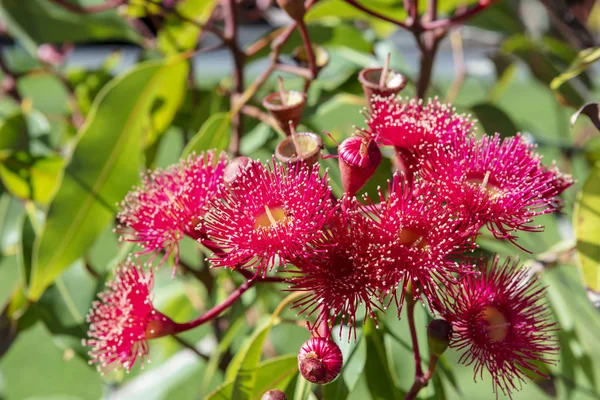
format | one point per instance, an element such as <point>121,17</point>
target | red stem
<point>216,310</point>
<point>410,309</point>
<point>96,8</point>
<point>456,19</point>
<point>237,122</point>
<point>422,381</point>
<point>310,54</point>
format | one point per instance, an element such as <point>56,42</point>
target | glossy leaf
<point>35,368</point>
<point>494,120</point>
<point>542,67</point>
<point>275,373</point>
<point>586,220</point>
<point>380,380</point>
<point>104,166</point>
<point>34,22</point>
<point>177,35</point>
<point>214,134</point>
<point>592,110</point>
<point>584,59</point>
<point>31,178</point>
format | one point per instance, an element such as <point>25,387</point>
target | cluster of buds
<point>411,244</point>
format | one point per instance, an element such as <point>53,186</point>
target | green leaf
<point>380,379</point>
<point>494,120</point>
<point>177,35</point>
<point>11,211</point>
<point>275,373</point>
<point>584,59</point>
<point>586,219</point>
<point>34,367</point>
<point>542,66</point>
<point>31,178</point>
<point>214,134</point>
<point>13,133</point>
<point>336,390</point>
<point>104,166</point>
<point>34,22</point>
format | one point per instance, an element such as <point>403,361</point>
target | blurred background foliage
<point>120,91</point>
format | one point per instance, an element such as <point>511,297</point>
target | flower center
<point>271,217</point>
<point>485,183</point>
<point>412,238</point>
<point>495,323</point>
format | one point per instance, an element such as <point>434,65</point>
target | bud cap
<point>358,160</point>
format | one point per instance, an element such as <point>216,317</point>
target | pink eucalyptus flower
<point>419,241</point>
<point>123,321</point>
<point>408,124</point>
<point>171,203</point>
<point>340,276</point>
<point>499,183</point>
<point>268,215</point>
<point>500,324</point>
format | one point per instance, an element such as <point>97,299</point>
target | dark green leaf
<point>34,367</point>
<point>104,166</point>
<point>494,120</point>
<point>380,379</point>
<point>542,67</point>
<point>34,22</point>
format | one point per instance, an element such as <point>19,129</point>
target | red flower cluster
<point>416,238</point>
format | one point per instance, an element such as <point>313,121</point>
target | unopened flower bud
<point>439,334</point>
<point>358,159</point>
<point>320,360</point>
<point>234,168</point>
<point>274,395</point>
<point>294,8</point>
<point>300,147</point>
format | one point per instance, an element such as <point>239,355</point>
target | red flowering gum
<point>501,324</point>
<point>340,276</point>
<point>123,321</point>
<point>408,124</point>
<point>320,360</point>
<point>170,203</point>
<point>359,157</point>
<point>496,182</point>
<point>268,215</point>
<point>418,239</point>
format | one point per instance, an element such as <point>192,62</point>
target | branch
<point>410,304</point>
<point>191,347</point>
<point>256,113</point>
<point>446,23</point>
<point>231,40</point>
<point>76,8</point>
<point>216,310</point>
<point>375,14</point>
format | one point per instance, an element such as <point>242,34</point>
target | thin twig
<point>257,113</point>
<point>356,4</point>
<point>458,18</point>
<point>191,347</point>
